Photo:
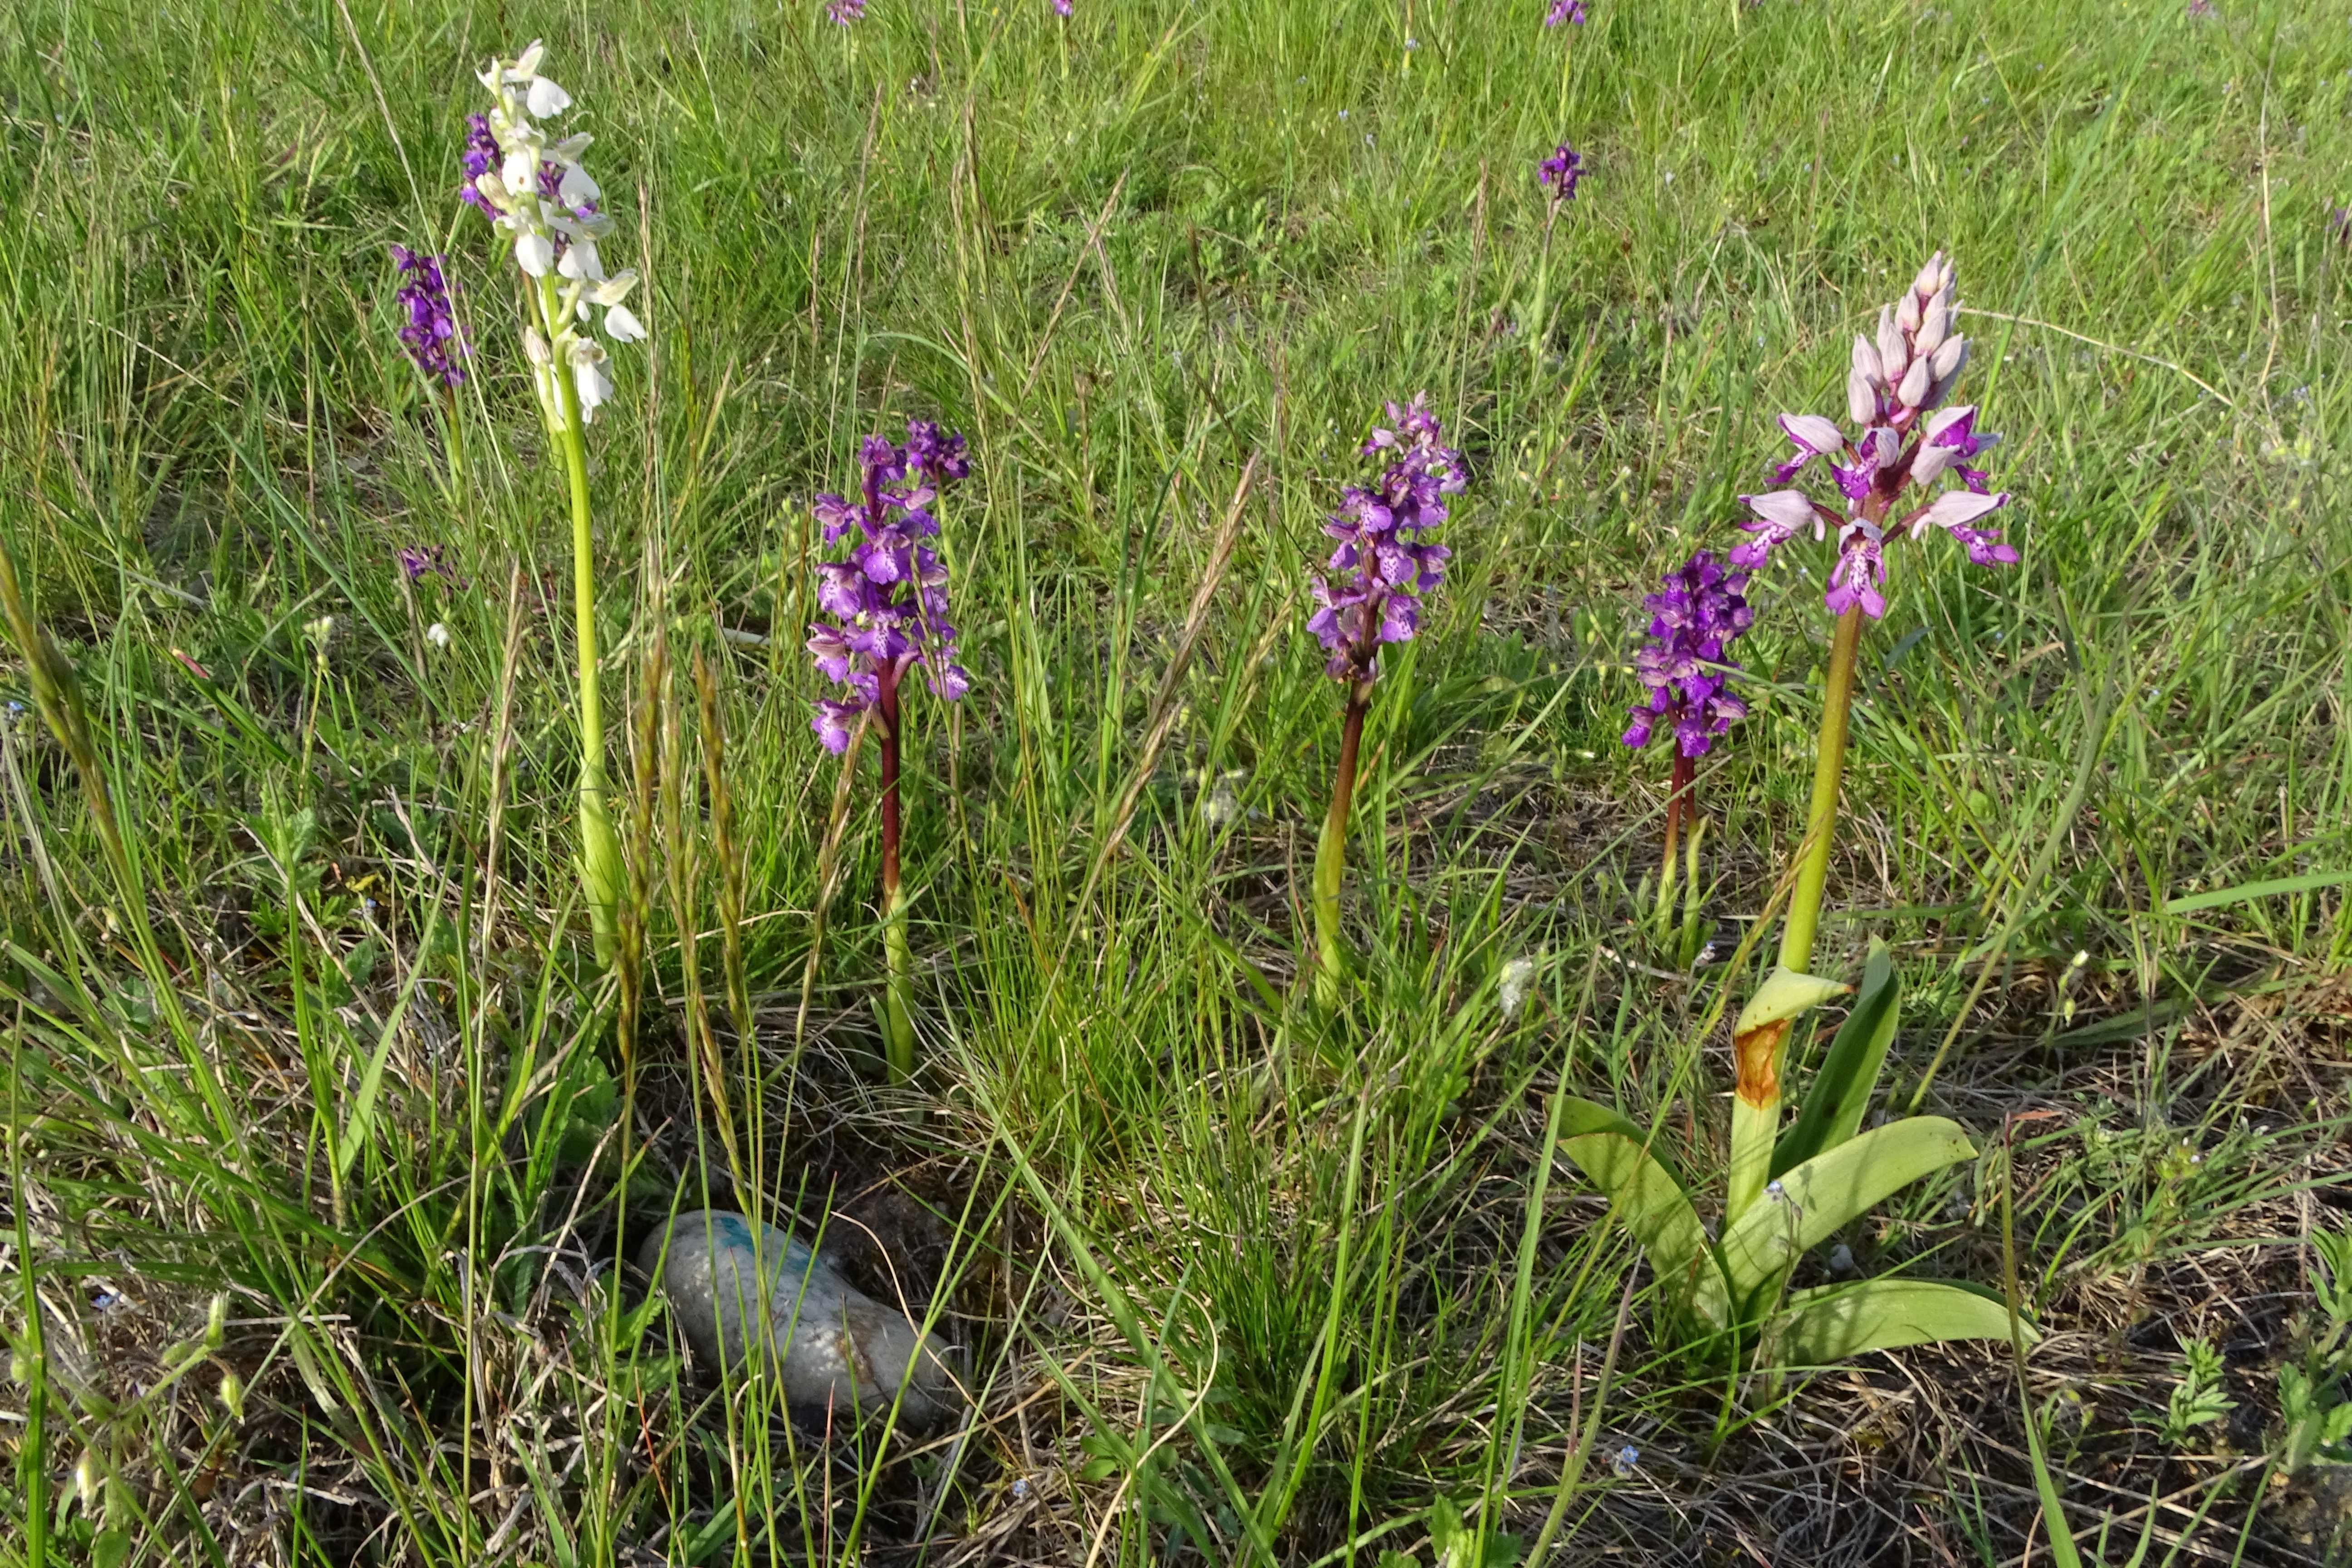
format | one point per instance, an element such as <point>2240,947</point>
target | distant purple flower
<point>1382,567</point>
<point>2201,9</point>
<point>1901,437</point>
<point>430,334</point>
<point>1558,175</point>
<point>1565,11</point>
<point>418,562</point>
<point>2340,225</point>
<point>844,12</point>
<point>889,597</point>
<point>480,157</point>
<point>1700,609</point>
<point>1061,7</point>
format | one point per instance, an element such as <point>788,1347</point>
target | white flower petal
<point>545,98</point>
<point>1916,383</point>
<point>576,189</point>
<point>534,253</point>
<point>581,261</point>
<point>519,169</point>
<point>1933,275</point>
<point>1931,462</point>
<point>1954,507</point>
<point>527,64</point>
<point>623,325</point>
<point>615,289</point>
<point>1813,433</point>
<point>568,150</point>
<point>1943,419</point>
<point>1861,396</point>
<point>1894,357</point>
<point>1789,509</point>
<point>1865,358</point>
<point>1952,354</point>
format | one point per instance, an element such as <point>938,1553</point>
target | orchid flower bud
<point>1893,355</point>
<point>1915,385</point>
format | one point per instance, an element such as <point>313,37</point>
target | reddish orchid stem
<point>898,1024</point>
<point>1679,808</point>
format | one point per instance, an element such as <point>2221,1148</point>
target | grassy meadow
<point>1234,1276</point>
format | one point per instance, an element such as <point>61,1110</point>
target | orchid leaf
<point>1840,1093</point>
<point>1784,994</point>
<point>1615,1154</point>
<point>1815,1200</point>
<point>1831,1323</point>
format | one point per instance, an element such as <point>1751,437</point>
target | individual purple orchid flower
<point>1903,440</point>
<point>430,334</point>
<point>844,12</point>
<point>1559,174</point>
<point>1565,11</point>
<point>1371,594</point>
<point>1062,8</point>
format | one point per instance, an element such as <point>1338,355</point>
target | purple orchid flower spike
<point>430,334</point>
<point>844,12</point>
<point>1371,594</point>
<point>1559,174</point>
<point>1902,440</point>
<point>888,596</point>
<point>1699,608</point>
<point>1569,12</point>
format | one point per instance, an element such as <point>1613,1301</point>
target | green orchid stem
<point>1756,1107</point>
<point>898,1021</point>
<point>1678,806</point>
<point>1331,852</point>
<point>1536,333</point>
<point>599,849</point>
<point>1820,816</point>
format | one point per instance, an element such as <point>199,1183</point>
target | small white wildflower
<point>318,631</point>
<point>438,634</point>
<point>1516,975</point>
<point>1219,806</point>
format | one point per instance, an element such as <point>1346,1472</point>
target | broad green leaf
<point>1783,996</point>
<point>1615,1154</point>
<point>1831,1323</point>
<point>1817,1198</point>
<point>1840,1093</point>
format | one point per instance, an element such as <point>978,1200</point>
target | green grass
<point>1236,1281</point>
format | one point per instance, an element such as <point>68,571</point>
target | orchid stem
<point>898,1021</point>
<point>600,851</point>
<point>1756,1108</point>
<point>1331,853</point>
<point>1820,816</point>
<point>1677,808</point>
